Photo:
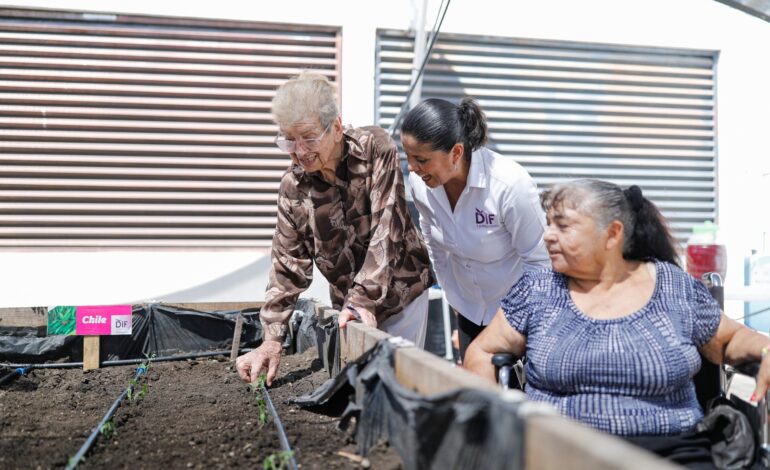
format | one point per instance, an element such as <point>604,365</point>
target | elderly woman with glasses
<point>341,205</point>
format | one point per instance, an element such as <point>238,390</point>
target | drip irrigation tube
<point>122,362</point>
<point>281,431</point>
<point>74,461</point>
<point>14,374</point>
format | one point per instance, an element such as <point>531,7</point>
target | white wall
<point>123,277</point>
<point>743,70</point>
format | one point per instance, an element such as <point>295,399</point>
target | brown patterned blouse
<point>357,230</point>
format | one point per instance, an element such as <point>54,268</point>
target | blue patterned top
<point>630,375</point>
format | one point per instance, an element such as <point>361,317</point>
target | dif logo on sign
<point>103,320</point>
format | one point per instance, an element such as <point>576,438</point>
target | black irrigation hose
<point>73,462</point>
<point>13,375</point>
<point>121,362</point>
<point>281,431</point>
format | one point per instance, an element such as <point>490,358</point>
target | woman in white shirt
<point>480,212</point>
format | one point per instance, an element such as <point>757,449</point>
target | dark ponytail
<point>474,125</point>
<point>645,232</point>
<point>442,125</point>
<point>651,237</point>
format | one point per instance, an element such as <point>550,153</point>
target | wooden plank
<point>90,352</point>
<point>237,338</point>
<point>359,338</point>
<point>555,442</point>
<point>427,373</point>
<point>24,316</point>
<point>415,368</point>
<point>323,312</point>
<point>208,306</point>
<point>38,316</point>
<point>552,441</point>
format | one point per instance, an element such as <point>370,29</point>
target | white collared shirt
<point>481,249</point>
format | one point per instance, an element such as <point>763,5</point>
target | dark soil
<point>196,414</point>
<point>47,415</point>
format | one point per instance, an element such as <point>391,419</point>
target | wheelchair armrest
<point>504,359</point>
<point>750,368</point>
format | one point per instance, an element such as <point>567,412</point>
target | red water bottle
<point>704,252</point>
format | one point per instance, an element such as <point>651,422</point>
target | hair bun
<point>474,123</point>
<point>634,197</point>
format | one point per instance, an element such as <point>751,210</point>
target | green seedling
<point>130,390</point>
<point>134,395</point>
<point>261,380</point>
<point>71,462</point>
<point>142,392</point>
<point>147,364</point>
<point>257,387</point>
<point>108,429</point>
<point>139,395</point>
<point>278,460</point>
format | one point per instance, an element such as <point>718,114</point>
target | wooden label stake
<point>90,352</point>
<point>237,337</point>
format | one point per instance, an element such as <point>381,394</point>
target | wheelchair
<point>711,382</point>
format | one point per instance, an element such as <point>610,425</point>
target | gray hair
<point>601,200</point>
<point>306,96</point>
<point>645,231</point>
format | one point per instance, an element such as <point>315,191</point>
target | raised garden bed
<point>198,414</point>
<point>195,414</point>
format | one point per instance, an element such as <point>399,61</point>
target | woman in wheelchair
<point>613,331</point>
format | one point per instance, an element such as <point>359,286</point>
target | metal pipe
<point>419,51</point>
<point>73,462</point>
<point>436,28</point>
<point>504,377</point>
<point>122,362</point>
<point>764,426</point>
<point>445,314</point>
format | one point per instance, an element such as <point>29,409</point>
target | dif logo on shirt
<point>485,219</point>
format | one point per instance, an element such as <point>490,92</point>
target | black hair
<point>443,124</point>
<point>645,231</point>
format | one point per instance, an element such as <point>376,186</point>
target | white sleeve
<point>434,251</point>
<point>525,221</point>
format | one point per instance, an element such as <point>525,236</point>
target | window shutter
<point>567,110</point>
<point>137,131</point>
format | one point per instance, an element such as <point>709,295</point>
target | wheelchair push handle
<point>504,363</point>
<point>503,359</point>
<point>712,280</point>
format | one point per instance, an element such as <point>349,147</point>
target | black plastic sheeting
<point>327,340</point>
<point>461,429</point>
<point>161,330</point>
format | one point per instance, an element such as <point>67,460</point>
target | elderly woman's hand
<point>763,378</point>
<point>734,343</point>
<point>266,357</point>
<point>357,313</point>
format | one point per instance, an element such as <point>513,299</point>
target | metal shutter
<point>134,131</point>
<point>567,110</point>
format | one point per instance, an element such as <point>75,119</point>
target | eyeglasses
<point>290,146</point>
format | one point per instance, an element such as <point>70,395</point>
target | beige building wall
<point>743,103</point>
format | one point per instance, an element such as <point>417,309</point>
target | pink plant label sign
<point>103,320</point>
